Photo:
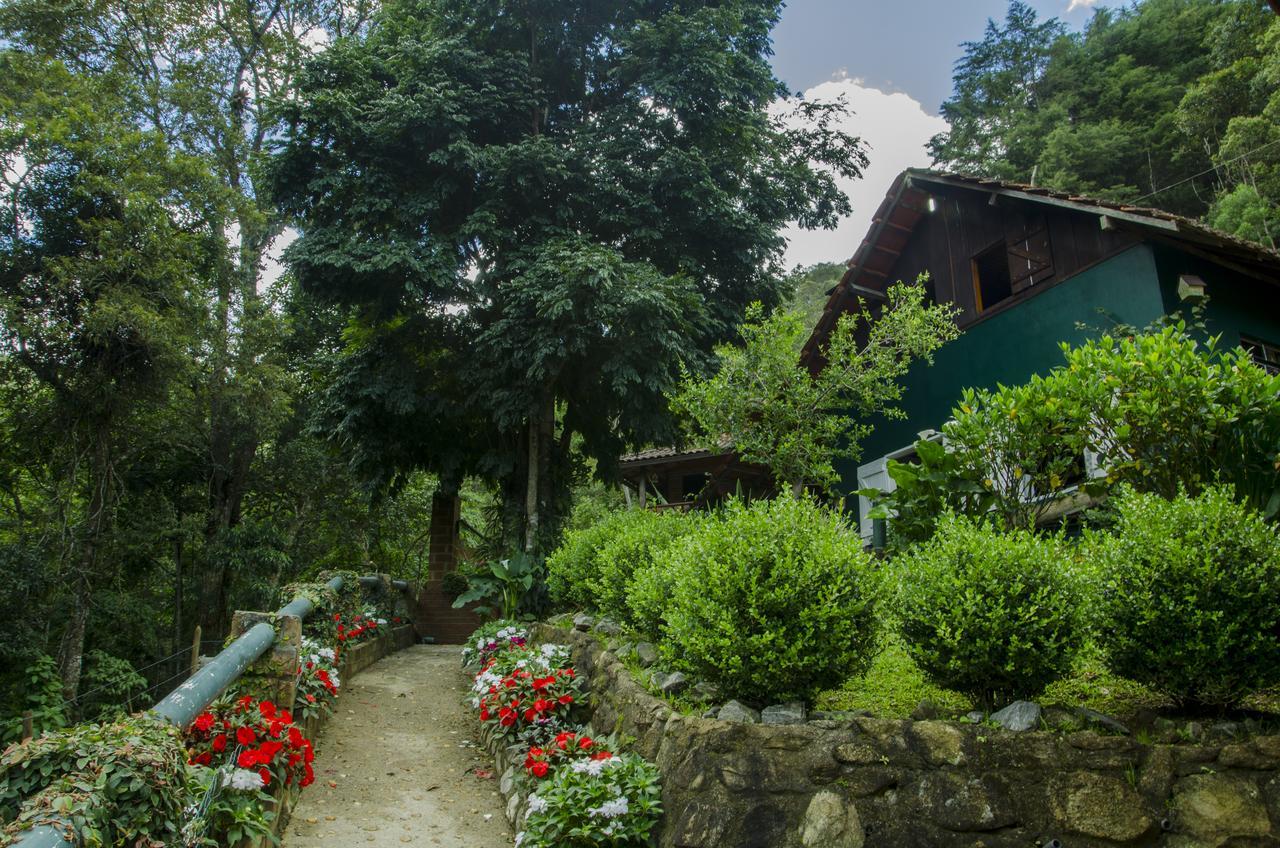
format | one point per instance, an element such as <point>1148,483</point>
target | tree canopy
<point>563,201</point>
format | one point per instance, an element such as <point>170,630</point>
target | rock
<point>1098,720</point>
<point>710,712</point>
<point>975,717</point>
<point>1225,730</point>
<point>1060,718</point>
<point>646,654</point>
<point>1098,805</point>
<point>624,650</point>
<point>671,684</point>
<point>583,622</point>
<point>830,822</point>
<point>939,742</point>
<point>1215,808</point>
<point>859,753</point>
<point>705,692</point>
<point>738,712</point>
<point>965,804</point>
<point>926,710</point>
<point>790,713</point>
<point>1020,716</point>
<point>606,627</point>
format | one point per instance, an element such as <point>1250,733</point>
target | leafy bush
<point>613,801</point>
<point>123,783</point>
<point>1167,414</point>
<point>993,615</point>
<point>1188,596</point>
<point>573,570</point>
<point>771,600</point>
<point>632,551</point>
<point>1158,410</point>
<point>594,567</point>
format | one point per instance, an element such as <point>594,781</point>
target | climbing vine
<point>121,783</point>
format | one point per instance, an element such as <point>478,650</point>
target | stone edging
<point>901,784</point>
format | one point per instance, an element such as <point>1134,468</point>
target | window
<point>992,282</point>
<point>1266,355</point>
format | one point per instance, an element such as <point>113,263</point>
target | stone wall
<point>908,784</point>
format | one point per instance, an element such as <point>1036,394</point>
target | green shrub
<point>1188,601</point>
<point>994,615</point>
<point>771,600</point>
<point>630,553</point>
<point>573,570</point>
<point>650,592</point>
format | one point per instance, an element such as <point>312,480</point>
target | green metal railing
<point>181,706</point>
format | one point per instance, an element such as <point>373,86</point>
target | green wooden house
<point>1029,268</point>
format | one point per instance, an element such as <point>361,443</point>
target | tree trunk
<point>71,648</point>
<point>531,485</point>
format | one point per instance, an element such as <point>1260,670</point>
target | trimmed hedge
<point>994,615</point>
<point>772,600</point>
<point>1189,596</point>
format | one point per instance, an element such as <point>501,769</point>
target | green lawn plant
<point>994,615</point>
<point>771,600</point>
<point>1187,600</point>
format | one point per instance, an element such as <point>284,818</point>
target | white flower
<point>591,767</point>
<point>242,779</point>
<point>537,803</point>
<point>519,838</point>
<point>611,809</point>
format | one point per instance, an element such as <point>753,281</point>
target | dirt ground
<point>397,764</point>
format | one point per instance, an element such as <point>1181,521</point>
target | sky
<point>893,62</point>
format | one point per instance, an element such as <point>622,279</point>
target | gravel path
<point>398,764</point>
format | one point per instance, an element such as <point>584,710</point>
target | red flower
<point>204,758</point>
<point>246,736</point>
<point>585,743</point>
<point>220,742</point>
<point>295,737</point>
<point>602,755</point>
<point>247,759</point>
<point>276,729</point>
<point>309,776</point>
<point>539,769</point>
<point>267,709</point>
<point>203,722</point>
<point>265,774</point>
<point>311,698</point>
<point>566,699</point>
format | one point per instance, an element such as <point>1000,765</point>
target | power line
<point>1215,168</point>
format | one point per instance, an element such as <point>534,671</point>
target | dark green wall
<point>1012,345</point>
<point>1238,305</point>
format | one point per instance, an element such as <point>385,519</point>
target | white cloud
<point>1081,4</point>
<point>895,128</point>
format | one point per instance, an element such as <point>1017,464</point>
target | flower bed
<point>563,787</point>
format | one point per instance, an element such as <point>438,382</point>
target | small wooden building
<point>671,478</point>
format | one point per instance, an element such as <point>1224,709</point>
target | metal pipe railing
<point>181,706</point>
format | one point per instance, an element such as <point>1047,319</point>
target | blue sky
<point>897,46</point>
<point>892,62</point>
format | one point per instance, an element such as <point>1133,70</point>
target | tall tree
<point>203,73</point>
<point>1135,107</point>
<point>543,208</point>
<point>99,262</point>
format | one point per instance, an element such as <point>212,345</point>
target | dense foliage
<point>993,615</point>
<point>595,567</point>
<point>771,600</point>
<point>1158,410</point>
<point>775,411</point>
<point>1172,103</point>
<point>533,215</point>
<point>1187,589</point>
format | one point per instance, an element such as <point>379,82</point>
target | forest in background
<point>181,434</point>
<point>1173,104</point>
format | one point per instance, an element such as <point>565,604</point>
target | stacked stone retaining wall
<point>885,783</point>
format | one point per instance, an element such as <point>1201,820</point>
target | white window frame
<point>875,475</point>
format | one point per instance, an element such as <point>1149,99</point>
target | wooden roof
<point>907,201</point>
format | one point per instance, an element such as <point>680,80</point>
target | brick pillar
<point>442,557</point>
<point>436,616</point>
